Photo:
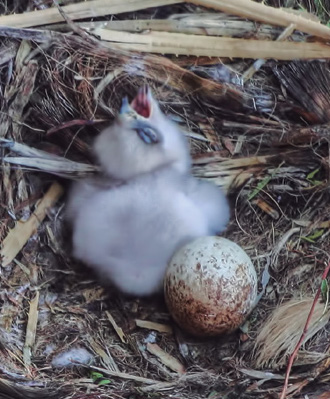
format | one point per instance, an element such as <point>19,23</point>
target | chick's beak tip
<point>142,103</point>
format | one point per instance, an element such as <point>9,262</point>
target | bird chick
<point>129,232</point>
<point>141,140</point>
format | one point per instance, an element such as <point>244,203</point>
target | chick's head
<point>141,140</point>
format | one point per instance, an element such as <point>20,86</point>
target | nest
<point>263,135</point>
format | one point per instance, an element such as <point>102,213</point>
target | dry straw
<point>282,330</point>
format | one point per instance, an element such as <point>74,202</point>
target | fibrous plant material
<point>149,66</point>
<point>281,332</point>
<point>308,83</point>
<point>259,139</point>
<point>323,288</point>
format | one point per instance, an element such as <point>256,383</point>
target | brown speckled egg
<point>210,286</point>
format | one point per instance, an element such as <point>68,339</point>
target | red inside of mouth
<point>141,103</point>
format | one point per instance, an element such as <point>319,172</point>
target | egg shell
<point>210,286</point>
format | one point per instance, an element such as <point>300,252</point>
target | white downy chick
<point>141,140</point>
<point>129,232</point>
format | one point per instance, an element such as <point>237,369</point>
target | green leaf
<point>99,379</point>
<point>263,183</point>
<point>312,174</point>
<point>259,187</point>
<point>104,382</point>
<point>325,290</point>
<point>96,376</point>
<point>312,237</point>
<point>310,177</point>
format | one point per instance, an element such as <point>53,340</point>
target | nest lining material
<point>57,95</point>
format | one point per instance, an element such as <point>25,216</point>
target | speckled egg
<point>210,286</point>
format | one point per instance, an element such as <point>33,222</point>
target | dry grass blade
<point>31,329</point>
<point>261,12</point>
<point>59,167</point>
<point>18,236</point>
<point>125,376</point>
<point>261,375</point>
<point>106,358</point>
<point>233,173</point>
<point>119,330</point>
<point>85,9</point>
<point>34,159</point>
<point>25,150</point>
<point>161,386</point>
<point>210,46</point>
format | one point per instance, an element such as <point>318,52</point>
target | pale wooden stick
<point>197,24</point>
<point>85,9</point>
<point>168,360</point>
<point>124,376</point>
<point>270,15</point>
<point>18,236</point>
<point>118,329</point>
<point>31,329</point>
<point>211,46</point>
<point>151,325</point>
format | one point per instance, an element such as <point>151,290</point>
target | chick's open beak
<point>139,111</point>
<point>142,103</point>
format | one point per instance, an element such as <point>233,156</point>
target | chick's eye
<point>147,133</point>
